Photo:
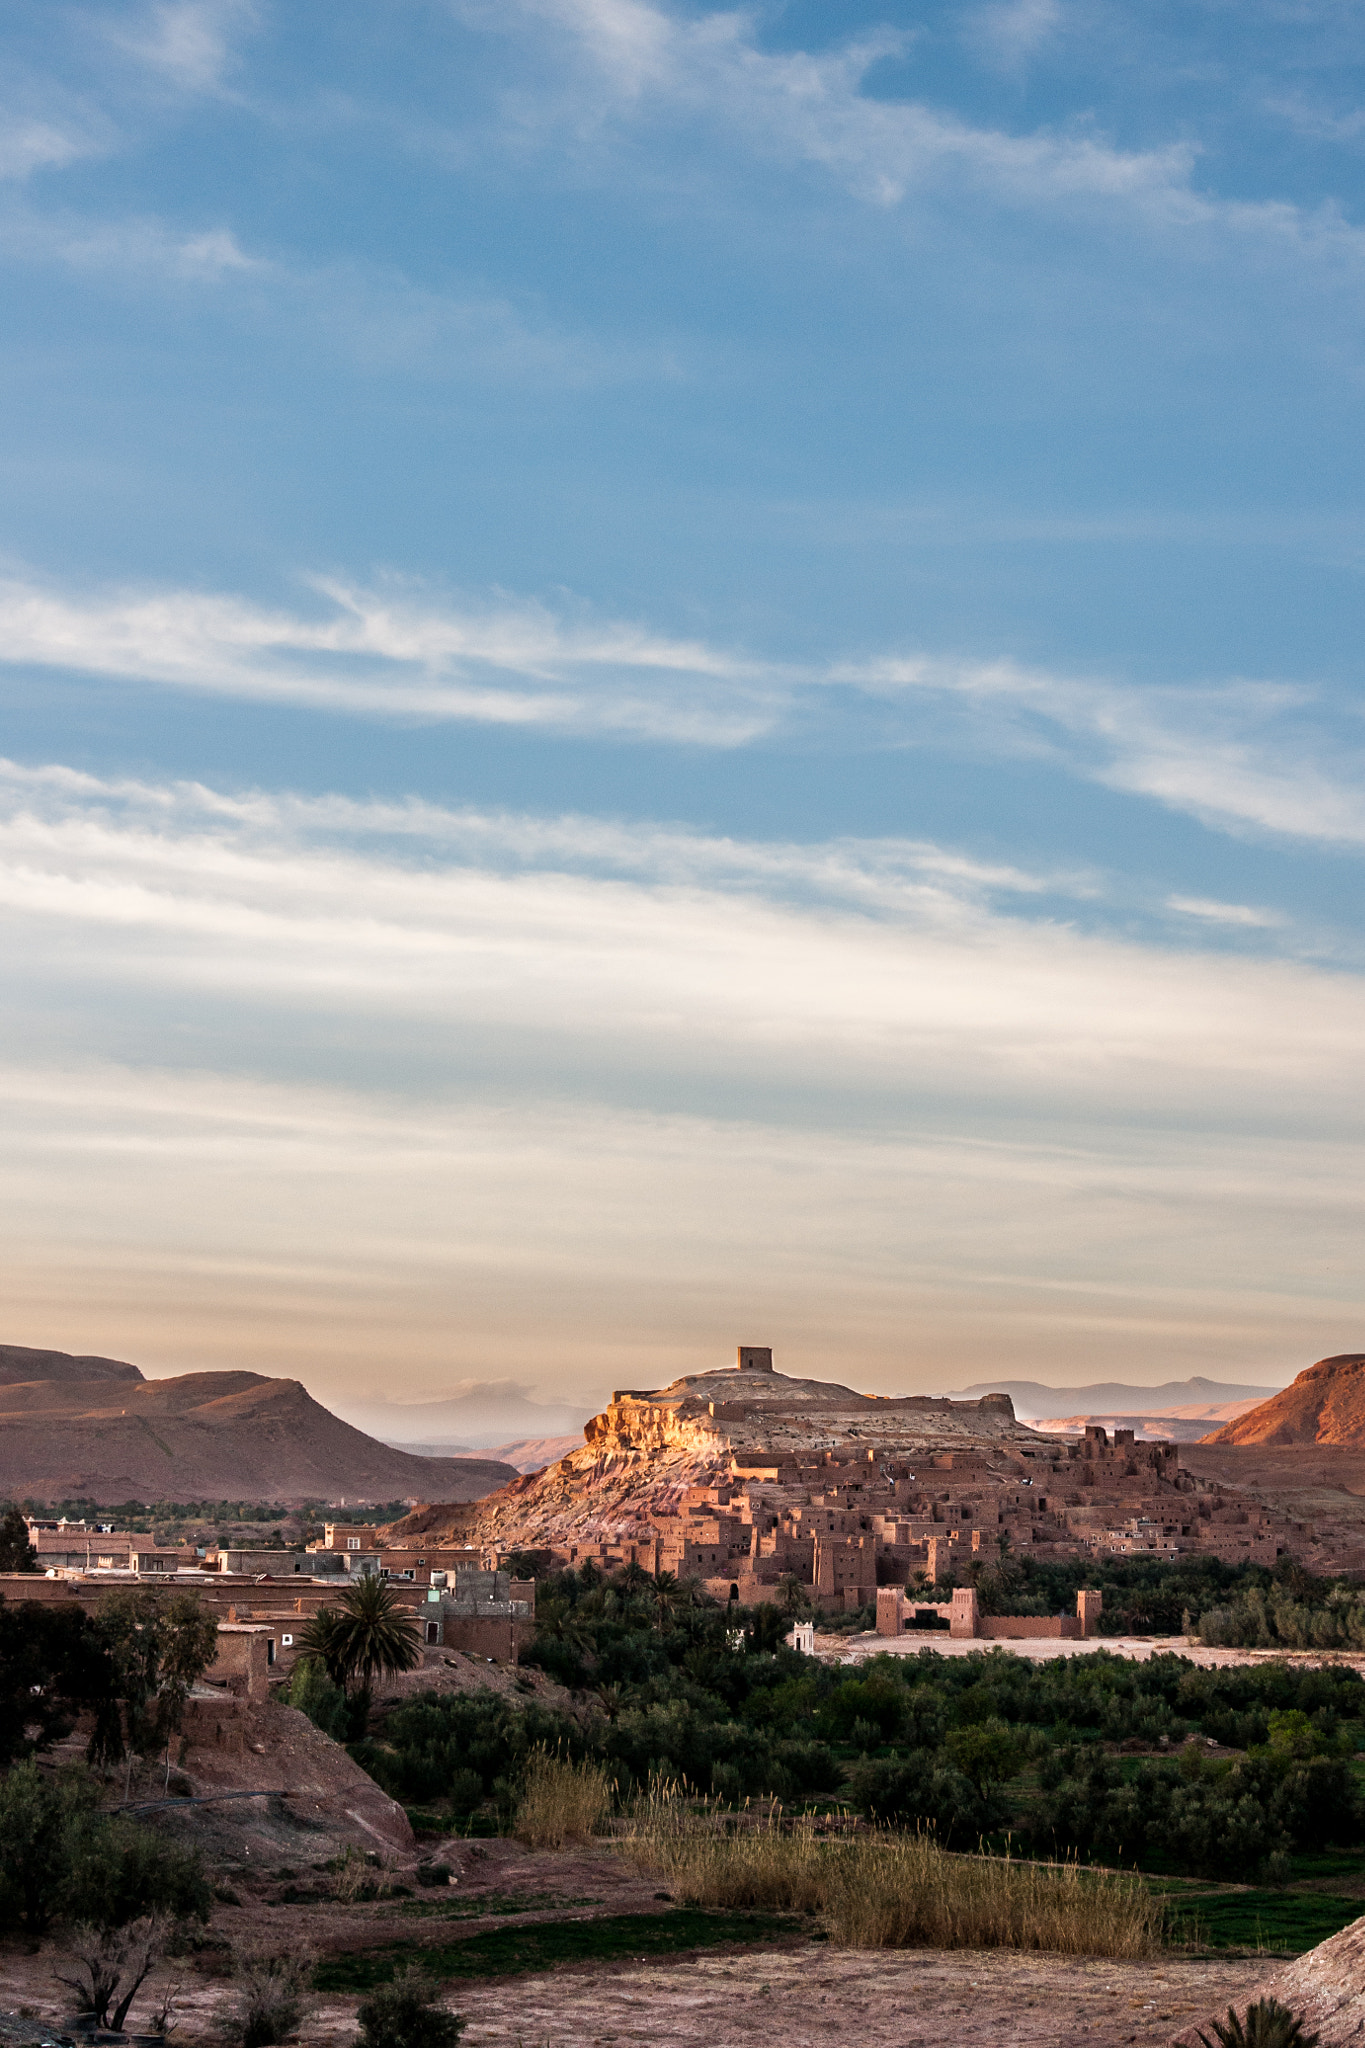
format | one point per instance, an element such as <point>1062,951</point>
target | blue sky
<point>673,676</point>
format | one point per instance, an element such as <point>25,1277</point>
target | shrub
<point>327,1706</point>
<point>271,1997</point>
<point>918,1791</point>
<point>561,1802</point>
<point>405,2014</point>
<point>63,1859</point>
<point>107,1967</point>
<point>1266,2024</point>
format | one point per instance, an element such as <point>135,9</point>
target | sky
<point>675,676</point>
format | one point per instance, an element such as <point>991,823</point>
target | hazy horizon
<point>674,677</point>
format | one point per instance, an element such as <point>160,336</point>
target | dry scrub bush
<point>272,1996</point>
<point>110,1965</point>
<point>894,1891</point>
<point>561,1802</point>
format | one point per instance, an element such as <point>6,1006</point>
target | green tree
<point>17,1554</point>
<point>792,1595</point>
<point>64,1859</point>
<point>986,1755</point>
<point>158,1648</point>
<point>667,1595</point>
<point>371,1632</point>
<point>54,1665</point>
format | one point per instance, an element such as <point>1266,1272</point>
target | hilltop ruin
<point>744,1477</point>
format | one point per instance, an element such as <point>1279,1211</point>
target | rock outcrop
<point>1324,1405</point>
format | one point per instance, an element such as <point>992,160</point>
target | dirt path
<point>825,1998</point>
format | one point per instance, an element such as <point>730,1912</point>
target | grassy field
<point>1283,1922</point>
<point>511,1951</point>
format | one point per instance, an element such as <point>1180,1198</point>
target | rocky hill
<point>1324,1405</point>
<point>742,1477</point>
<point>95,1428</point>
<point>647,1450</point>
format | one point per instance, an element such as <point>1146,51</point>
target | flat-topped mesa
<point>756,1408</point>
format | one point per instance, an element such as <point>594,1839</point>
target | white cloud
<point>1210,911</point>
<point>813,108</point>
<point>187,43</point>
<point>602,1093</point>
<point>1010,31</point>
<point>28,145</point>
<point>1238,755</point>
<point>630,62</point>
<point>127,249</point>
<point>394,653</point>
<point>842,967</point>
<point>1243,754</point>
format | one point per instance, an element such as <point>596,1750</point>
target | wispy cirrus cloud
<point>674,951</point>
<point>638,64</point>
<point>1276,758</point>
<point>394,653</point>
<point>190,45</point>
<point>647,1080</point>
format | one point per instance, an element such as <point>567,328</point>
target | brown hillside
<point>1325,1405</point>
<point>95,1428</point>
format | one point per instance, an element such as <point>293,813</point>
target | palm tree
<point>792,1595</point>
<point>667,1595</point>
<point>319,1640</point>
<point>370,1634</point>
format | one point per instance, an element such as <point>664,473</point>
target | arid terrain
<point>95,1428</point>
<point>1324,1405</point>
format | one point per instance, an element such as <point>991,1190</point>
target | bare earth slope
<point>94,1428</point>
<point>1325,1405</point>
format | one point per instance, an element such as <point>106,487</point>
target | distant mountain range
<point>526,1453</point>
<point>94,1428</point>
<point>477,1415</point>
<point>1034,1402</point>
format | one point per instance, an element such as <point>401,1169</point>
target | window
<point>287,1642</point>
<point>353,1543</point>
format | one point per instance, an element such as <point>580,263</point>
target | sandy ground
<point>800,1993</point>
<point>837,1649</point>
<point>806,1996</point>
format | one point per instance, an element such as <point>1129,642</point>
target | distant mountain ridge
<point>95,1428</point>
<point>1324,1405</point>
<point>525,1454</point>
<point>1187,1399</point>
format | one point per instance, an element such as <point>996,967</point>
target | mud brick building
<point>744,1479</point>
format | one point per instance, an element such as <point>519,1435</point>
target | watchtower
<point>755,1358</point>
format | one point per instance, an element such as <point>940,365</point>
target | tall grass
<point>894,1891</point>
<point>561,1802</point>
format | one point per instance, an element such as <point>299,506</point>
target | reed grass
<point>561,1802</point>
<point>884,1890</point>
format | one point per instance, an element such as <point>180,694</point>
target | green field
<point>511,1951</point>
<point>1285,1922</point>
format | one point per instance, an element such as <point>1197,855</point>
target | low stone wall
<point>1015,1626</point>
